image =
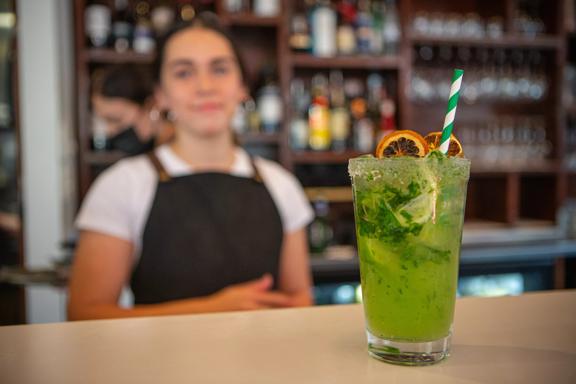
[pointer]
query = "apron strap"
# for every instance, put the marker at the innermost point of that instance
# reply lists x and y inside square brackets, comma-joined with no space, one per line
[257,177]
[163,176]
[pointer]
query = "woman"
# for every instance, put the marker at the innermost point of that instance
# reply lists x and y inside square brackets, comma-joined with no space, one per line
[197,225]
[122,96]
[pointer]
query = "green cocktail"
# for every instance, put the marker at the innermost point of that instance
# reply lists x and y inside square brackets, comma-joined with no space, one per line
[409,213]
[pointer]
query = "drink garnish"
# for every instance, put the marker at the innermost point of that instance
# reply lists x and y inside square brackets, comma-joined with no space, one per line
[454,148]
[402,143]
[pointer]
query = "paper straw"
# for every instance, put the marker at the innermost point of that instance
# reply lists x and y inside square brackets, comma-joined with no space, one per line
[451,112]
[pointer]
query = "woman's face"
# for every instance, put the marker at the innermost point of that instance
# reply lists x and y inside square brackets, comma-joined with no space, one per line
[116,112]
[200,82]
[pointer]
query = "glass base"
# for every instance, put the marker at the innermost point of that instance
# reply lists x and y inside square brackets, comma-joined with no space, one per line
[409,353]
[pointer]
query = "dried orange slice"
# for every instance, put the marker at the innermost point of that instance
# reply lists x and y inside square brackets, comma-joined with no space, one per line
[402,143]
[454,149]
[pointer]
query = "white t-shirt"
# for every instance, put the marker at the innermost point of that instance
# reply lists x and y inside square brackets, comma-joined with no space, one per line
[120,199]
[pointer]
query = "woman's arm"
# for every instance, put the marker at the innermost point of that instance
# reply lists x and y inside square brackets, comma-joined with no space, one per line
[294,278]
[102,267]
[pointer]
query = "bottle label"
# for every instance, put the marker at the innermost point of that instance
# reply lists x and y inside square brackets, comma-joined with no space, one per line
[346,40]
[299,133]
[364,135]
[270,109]
[319,127]
[340,124]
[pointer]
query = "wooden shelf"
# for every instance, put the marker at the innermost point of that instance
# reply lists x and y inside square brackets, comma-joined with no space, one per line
[250,20]
[103,158]
[259,138]
[331,194]
[303,60]
[325,157]
[512,41]
[104,55]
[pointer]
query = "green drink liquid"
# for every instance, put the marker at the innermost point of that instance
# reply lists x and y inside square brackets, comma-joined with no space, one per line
[409,214]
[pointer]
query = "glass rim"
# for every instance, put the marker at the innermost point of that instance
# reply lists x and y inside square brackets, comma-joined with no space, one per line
[372,159]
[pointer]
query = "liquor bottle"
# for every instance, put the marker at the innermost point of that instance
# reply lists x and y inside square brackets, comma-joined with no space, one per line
[300,100]
[185,10]
[300,39]
[240,120]
[339,115]
[144,41]
[235,6]
[346,35]
[363,127]
[323,28]
[266,8]
[388,115]
[364,27]
[391,30]
[270,106]
[122,26]
[319,231]
[319,115]
[162,17]
[252,116]
[377,44]
[374,89]
[97,20]
[99,133]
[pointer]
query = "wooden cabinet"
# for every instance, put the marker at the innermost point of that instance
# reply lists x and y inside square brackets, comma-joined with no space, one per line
[504,192]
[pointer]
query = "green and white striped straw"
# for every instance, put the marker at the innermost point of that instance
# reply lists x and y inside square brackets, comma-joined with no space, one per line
[451,112]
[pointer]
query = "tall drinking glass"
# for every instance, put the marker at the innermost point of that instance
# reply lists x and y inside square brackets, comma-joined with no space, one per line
[409,214]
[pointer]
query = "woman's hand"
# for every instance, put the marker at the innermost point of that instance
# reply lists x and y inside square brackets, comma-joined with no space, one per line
[251,295]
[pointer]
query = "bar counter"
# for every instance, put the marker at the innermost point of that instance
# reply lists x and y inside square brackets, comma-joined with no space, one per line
[524,339]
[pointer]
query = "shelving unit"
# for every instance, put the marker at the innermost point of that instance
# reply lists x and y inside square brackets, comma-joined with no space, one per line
[498,193]
[249,20]
[510,41]
[311,157]
[109,56]
[300,60]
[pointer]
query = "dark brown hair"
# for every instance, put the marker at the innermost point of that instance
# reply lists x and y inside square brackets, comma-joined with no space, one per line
[205,20]
[125,81]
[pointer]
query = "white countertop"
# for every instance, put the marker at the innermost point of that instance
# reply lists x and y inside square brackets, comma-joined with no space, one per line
[525,339]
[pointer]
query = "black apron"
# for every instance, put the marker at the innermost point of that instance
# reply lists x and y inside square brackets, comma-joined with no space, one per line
[205,232]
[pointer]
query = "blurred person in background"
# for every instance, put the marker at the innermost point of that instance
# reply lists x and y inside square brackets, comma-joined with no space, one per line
[198,224]
[122,97]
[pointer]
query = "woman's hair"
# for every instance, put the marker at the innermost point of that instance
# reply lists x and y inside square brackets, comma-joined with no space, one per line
[124,81]
[204,20]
